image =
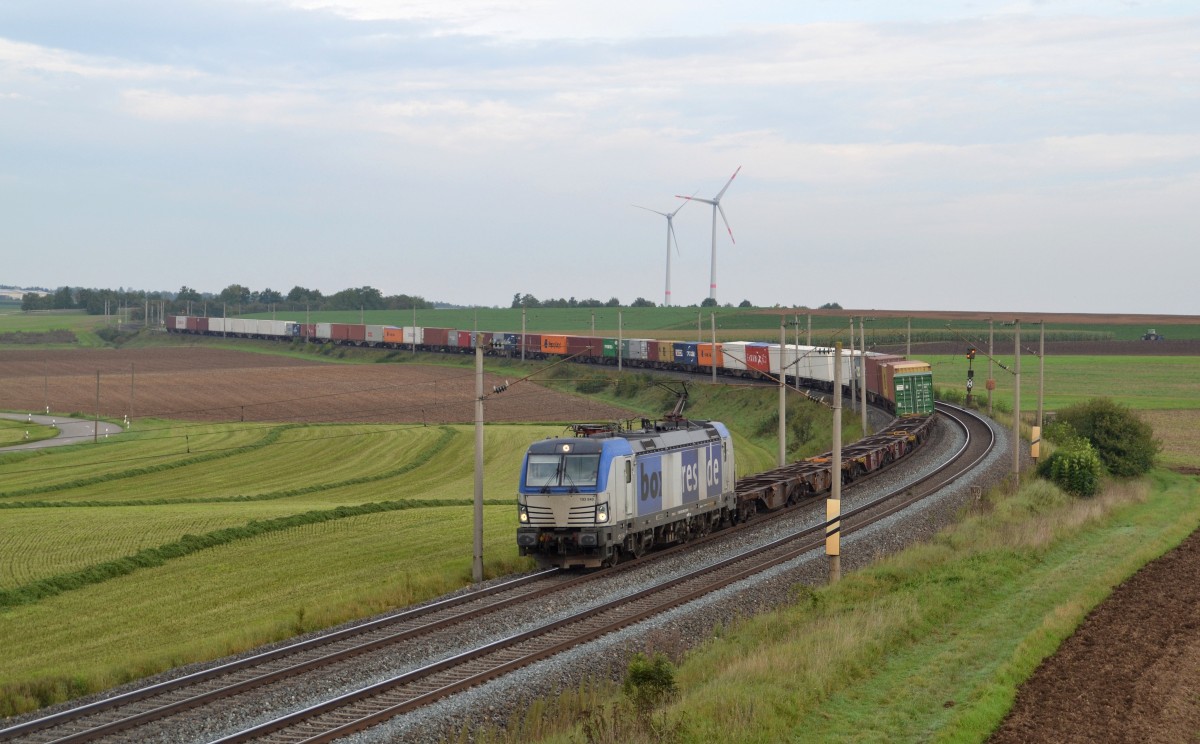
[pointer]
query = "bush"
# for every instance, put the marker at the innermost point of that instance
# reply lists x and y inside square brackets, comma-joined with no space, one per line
[649,682]
[1075,468]
[1124,442]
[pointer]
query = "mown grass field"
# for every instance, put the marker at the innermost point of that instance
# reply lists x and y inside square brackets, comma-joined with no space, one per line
[18,432]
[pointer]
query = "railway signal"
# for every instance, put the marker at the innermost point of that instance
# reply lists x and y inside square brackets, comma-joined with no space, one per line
[970,372]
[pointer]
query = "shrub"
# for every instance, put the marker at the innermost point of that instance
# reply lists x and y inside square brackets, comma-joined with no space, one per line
[1075,468]
[649,682]
[1124,442]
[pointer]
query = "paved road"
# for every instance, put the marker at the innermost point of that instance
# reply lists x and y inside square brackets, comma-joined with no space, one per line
[71,431]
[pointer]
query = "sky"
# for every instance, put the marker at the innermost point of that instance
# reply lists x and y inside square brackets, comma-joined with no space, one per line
[1021,156]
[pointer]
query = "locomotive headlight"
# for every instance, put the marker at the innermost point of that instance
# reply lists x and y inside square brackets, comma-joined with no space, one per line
[522,514]
[602,512]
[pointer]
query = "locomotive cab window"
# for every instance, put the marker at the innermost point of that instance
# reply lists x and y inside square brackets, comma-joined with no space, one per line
[562,470]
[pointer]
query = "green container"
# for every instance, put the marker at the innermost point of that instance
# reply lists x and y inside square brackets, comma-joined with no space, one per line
[914,394]
[610,348]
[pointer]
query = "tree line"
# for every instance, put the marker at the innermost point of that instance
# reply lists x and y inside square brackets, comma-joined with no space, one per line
[245,300]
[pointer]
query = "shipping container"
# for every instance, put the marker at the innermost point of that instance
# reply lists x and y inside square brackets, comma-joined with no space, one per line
[373,335]
[552,344]
[189,324]
[875,381]
[202,325]
[758,358]
[533,344]
[436,337]
[486,339]
[464,340]
[705,354]
[637,349]
[586,347]
[684,352]
[414,335]
[324,331]
[666,352]
[393,336]
[217,325]
[914,394]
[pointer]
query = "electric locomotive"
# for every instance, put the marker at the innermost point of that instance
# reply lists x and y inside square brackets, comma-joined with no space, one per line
[608,493]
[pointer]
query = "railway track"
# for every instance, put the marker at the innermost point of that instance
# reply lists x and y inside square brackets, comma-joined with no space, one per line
[366,707]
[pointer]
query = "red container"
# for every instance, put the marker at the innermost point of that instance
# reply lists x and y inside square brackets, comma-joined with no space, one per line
[308,330]
[347,332]
[464,339]
[437,337]
[533,343]
[875,381]
[201,325]
[588,347]
[758,358]
[193,324]
[484,339]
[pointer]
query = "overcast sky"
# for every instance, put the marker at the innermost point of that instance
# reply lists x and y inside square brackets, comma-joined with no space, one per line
[1031,156]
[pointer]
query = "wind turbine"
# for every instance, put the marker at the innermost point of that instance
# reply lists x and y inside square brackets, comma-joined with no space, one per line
[716,205]
[670,236]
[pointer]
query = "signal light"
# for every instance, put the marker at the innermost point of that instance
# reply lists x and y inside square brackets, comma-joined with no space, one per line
[971,353]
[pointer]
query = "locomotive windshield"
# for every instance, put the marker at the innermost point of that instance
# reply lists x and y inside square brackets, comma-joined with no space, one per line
[544,471]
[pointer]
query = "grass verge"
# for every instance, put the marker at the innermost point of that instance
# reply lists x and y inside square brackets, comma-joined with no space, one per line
[928,645]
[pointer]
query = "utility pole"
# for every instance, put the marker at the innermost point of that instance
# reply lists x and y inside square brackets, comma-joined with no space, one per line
[1041,370]
[833,505]
[713,318]
[862,373]
[96,426]
[908,339]
[477,563]
[782,396]
[131,391]
[1016,433]
[853,391]
[522,331]
[620,338]
[808,338]
[991,380]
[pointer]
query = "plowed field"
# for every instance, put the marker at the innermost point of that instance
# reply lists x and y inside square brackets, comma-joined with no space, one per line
[1131,673]
[221,385]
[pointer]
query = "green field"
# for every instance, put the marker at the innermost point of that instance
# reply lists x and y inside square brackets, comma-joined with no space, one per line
[17,432]
[217,538]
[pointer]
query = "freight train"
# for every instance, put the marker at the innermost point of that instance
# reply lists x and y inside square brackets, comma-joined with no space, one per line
[607,494]
[903,387]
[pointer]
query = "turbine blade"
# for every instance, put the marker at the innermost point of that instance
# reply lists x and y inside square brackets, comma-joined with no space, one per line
[695,198]
[727,183]
[727,227]
[648,209]
[685,202]
[671,228]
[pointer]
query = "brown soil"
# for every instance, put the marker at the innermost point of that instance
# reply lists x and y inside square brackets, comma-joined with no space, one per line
[1130,673]
[220,385]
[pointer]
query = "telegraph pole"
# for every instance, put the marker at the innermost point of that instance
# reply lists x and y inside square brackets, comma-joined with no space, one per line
[713,319]
[991,380]
[862,373]
[782,395]
[1017,405]
[620,338]
[833,505]
[908,339]
[853,396]
[477,564]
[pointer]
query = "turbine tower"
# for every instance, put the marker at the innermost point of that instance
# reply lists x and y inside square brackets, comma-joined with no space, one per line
[716,205]
[670,236]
